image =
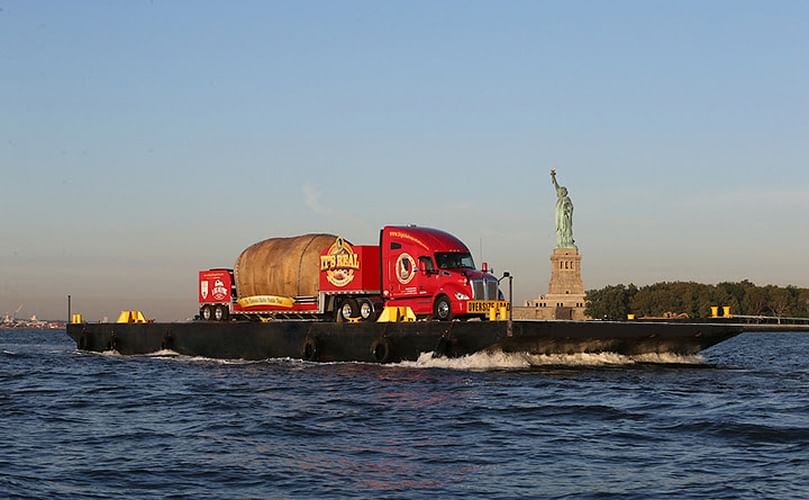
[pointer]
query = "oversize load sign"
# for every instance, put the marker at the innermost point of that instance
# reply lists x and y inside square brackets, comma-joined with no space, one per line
[483,306]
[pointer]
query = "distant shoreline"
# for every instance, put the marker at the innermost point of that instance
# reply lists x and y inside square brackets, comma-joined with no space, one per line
[29,325]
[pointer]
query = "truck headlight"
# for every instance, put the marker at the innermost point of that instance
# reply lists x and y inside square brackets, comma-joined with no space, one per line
[461,296]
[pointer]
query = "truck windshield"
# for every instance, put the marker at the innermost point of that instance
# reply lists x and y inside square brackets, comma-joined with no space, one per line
[454,260]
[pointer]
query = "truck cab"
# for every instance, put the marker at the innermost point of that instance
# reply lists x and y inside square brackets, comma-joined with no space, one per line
[433,273]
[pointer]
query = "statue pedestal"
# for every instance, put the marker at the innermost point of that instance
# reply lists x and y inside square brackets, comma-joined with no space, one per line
[565,297]
[566,272]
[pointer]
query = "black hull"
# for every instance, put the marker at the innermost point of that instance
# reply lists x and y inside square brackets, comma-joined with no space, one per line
[394,342]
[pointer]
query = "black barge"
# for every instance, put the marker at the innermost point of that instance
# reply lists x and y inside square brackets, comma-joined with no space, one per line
[397,341]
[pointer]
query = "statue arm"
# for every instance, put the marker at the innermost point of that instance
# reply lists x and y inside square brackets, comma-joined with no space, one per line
[553,178]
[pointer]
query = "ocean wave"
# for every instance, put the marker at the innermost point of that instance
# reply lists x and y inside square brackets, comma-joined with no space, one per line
[81,424]
[163,353]
[481,361]
[498,360]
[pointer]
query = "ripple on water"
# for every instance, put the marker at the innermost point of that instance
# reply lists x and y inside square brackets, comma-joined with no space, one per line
[732,422]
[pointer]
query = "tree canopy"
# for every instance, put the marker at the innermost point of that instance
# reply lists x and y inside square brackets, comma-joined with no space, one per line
[695,300]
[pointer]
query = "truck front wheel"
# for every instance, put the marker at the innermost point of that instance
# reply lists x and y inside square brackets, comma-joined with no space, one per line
[442,309]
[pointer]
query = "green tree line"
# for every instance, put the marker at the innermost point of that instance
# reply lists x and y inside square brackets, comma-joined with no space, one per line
[696,299]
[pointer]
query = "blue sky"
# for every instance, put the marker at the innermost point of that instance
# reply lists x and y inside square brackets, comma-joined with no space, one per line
[142,141]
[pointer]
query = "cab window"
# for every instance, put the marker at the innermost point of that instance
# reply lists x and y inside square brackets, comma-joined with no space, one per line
[454,260]
[427,262]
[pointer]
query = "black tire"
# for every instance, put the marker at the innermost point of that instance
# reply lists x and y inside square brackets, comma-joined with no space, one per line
[366,310]
[167,342]
[380,350]
[347,309]
[442,309]
[220,312]
[206,313]
[443,349]
[311,349]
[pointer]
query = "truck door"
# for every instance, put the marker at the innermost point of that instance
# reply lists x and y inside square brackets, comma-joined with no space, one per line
[427,277]
[400,272]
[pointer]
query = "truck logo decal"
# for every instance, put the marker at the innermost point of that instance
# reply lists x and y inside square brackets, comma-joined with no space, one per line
[203,289]
[219,291]
[339,263]
[405,268]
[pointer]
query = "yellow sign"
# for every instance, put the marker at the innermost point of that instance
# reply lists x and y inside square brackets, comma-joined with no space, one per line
[483,306]
[339,263]
[266,300]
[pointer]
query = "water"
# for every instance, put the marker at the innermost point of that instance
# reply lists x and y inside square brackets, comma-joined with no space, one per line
[731,423]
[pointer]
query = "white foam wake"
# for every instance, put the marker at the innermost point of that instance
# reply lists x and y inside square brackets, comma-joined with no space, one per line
[480,361]
[163,353]
[498,360]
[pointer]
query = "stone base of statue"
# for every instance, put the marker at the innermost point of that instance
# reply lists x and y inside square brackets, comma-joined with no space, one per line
[565,297]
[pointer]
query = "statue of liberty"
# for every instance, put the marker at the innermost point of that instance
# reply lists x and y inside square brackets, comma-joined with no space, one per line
[564,215]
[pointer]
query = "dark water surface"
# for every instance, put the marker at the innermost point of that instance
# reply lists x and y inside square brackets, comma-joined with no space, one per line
[74,424]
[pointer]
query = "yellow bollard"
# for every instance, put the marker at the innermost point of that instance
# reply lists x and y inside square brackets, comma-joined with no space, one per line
[714,311]
[407,314]
[726,311]
[492,314]
[394,314]
[131,317]
[504,313]
[630,316]
[75,318]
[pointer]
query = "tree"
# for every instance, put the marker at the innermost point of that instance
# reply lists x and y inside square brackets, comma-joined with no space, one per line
[803,303]
[610,302]
[696,299]
[755,301]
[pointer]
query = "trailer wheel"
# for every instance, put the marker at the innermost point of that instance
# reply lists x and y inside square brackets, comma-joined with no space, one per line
[206,313]
[220,312]
[442,309]
[366,310]
[347,310]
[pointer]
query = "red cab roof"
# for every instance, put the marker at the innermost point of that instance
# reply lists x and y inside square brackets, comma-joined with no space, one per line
[430,239]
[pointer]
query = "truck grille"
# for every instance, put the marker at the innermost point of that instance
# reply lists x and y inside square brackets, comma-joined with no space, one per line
[484,290]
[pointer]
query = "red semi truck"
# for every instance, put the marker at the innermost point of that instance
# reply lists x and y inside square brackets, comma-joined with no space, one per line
[326,277]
